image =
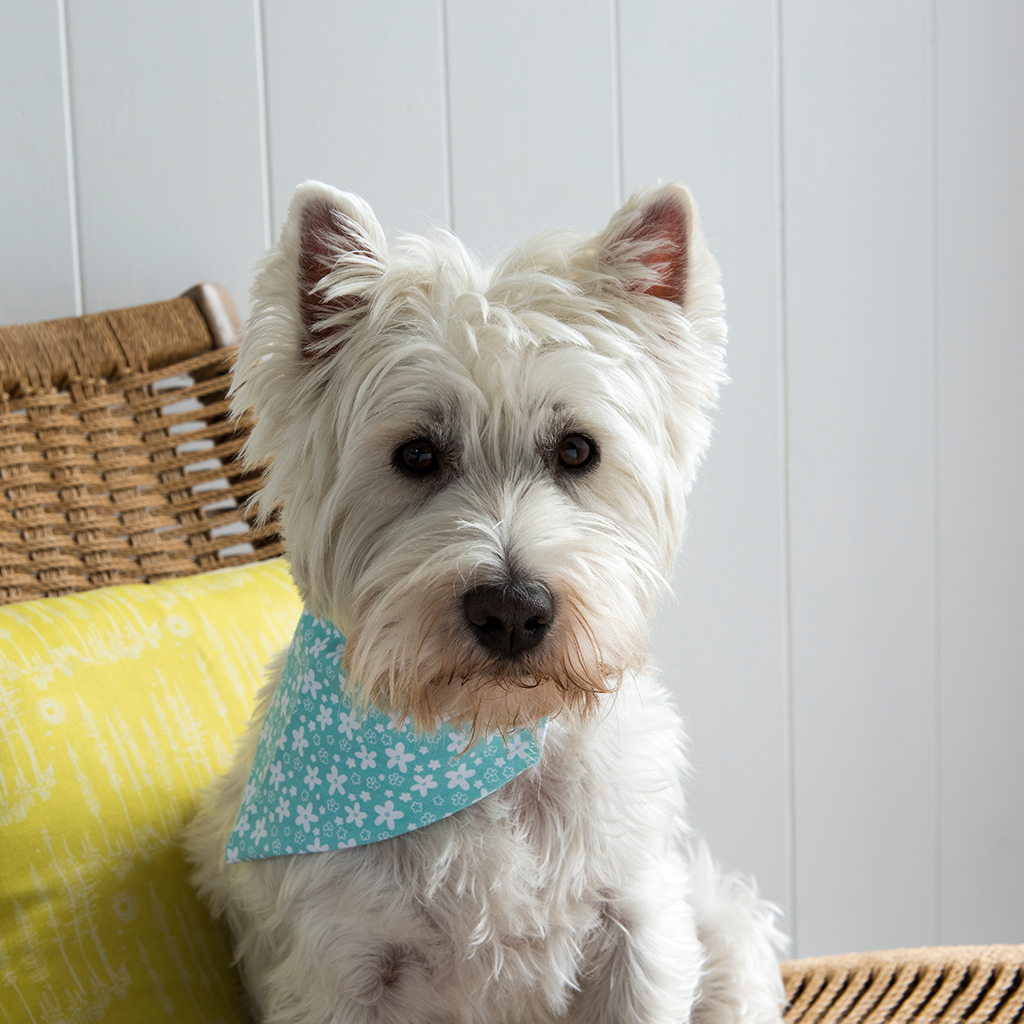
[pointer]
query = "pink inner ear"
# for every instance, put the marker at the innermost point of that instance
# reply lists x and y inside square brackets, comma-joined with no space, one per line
[325,239]
[664,226]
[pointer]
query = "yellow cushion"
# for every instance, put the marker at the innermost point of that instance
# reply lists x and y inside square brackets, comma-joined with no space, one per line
[116,707]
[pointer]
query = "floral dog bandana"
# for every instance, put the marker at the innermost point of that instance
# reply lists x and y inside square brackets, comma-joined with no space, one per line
[326,777]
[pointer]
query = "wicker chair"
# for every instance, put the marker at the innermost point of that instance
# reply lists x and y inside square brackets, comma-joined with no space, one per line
[118,460]
[118,463]
[947,984]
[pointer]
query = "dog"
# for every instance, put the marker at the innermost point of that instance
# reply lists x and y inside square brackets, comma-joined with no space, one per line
[480,474]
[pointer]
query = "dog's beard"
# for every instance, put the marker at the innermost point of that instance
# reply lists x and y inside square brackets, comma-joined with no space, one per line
[434,670]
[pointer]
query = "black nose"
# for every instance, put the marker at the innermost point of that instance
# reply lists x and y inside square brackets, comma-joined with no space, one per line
[509,619]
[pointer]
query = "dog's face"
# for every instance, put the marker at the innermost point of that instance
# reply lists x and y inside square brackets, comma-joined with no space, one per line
[482,472]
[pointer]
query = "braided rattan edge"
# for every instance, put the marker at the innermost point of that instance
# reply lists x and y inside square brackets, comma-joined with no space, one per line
[940,984]
[219,312]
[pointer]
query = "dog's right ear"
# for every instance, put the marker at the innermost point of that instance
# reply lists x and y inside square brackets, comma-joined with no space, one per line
[337,250]
[656,247]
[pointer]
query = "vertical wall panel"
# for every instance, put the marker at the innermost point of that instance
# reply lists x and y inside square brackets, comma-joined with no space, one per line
[857,151]
[36,261]
[531,98]
[167,137]
[355,98]
[980,79]
[699,105]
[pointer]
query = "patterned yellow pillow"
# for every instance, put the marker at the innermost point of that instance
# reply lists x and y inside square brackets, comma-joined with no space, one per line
[116,707]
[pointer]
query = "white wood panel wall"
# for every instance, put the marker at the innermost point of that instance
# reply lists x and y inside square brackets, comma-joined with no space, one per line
[846,636]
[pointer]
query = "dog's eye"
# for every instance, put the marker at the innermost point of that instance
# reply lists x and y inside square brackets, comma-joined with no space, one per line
[576,452]
[416,457]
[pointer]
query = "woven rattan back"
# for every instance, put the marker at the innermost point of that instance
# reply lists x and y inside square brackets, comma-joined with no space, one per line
[118,458]
[938,985]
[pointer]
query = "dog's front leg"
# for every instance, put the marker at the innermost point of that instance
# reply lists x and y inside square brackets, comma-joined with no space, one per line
[741,982]
[642,962]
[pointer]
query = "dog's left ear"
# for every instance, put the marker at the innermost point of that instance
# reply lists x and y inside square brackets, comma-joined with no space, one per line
[337,251]
[656,247]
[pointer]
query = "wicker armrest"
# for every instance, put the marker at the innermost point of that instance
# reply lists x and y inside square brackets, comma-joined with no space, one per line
[948,984]
[118,456]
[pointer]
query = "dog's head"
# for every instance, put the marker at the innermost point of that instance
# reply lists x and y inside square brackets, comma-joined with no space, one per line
[481,472]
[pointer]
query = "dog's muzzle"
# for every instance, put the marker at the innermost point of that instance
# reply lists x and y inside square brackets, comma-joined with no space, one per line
[509,619]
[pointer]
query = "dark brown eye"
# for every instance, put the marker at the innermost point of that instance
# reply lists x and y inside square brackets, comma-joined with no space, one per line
[416,457]
[575,451]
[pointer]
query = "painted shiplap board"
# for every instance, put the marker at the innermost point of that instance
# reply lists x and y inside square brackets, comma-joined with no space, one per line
[856,84]
[358,103]
[722,644]
[166,125]
[980,261]
[37,259]
[531,101]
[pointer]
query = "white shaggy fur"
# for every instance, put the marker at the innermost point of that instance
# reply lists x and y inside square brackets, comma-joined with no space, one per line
[567,895]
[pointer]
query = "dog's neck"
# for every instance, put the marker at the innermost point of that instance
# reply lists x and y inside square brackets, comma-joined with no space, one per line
[328,775]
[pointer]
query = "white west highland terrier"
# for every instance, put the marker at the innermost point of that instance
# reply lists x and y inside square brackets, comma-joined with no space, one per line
[459,798]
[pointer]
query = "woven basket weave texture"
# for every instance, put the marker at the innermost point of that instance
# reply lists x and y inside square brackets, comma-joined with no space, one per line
[118,456]
[944,985]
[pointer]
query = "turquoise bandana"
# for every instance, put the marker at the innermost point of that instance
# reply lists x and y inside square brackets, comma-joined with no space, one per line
[326,777]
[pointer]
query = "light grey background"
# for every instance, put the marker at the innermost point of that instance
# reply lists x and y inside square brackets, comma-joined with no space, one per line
[846,638]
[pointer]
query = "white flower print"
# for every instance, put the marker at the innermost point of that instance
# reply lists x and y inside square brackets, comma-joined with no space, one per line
[518,746]
[459,777]
[336,654]
[397,757]
[260,831]
[319,646]
[299,740]
[336,781]
[312,777]
[282,808]
[355,816]
[310,684]
[457,742]
[324,718]
[387,814]
[434,765]
[304,815]
[316,846]
[368,757]
[347,723]
[424,783]
[243,825]
[232,855]
[250,788]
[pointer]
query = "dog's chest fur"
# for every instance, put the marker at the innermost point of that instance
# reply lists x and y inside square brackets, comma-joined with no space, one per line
[516,888]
